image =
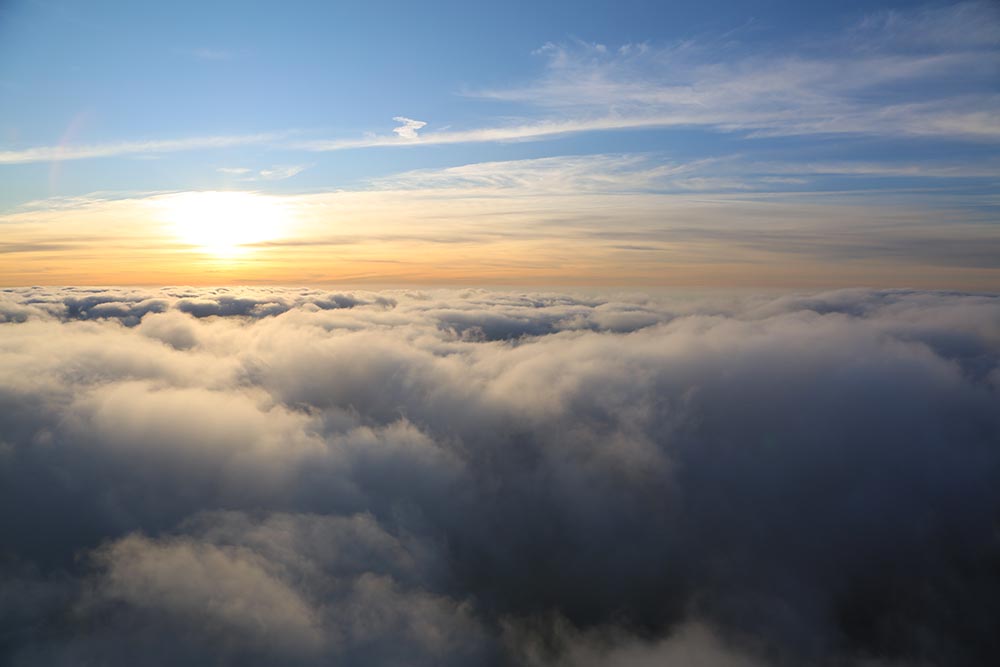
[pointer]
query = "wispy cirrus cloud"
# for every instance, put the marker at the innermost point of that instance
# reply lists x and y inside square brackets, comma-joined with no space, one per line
[919,73]
[880,78]
[656,173]
[556,175]
[526,131]
[884,76]
[274,173]
[115,149]
[970,169]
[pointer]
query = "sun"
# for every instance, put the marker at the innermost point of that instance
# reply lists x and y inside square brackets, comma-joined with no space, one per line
[224,224]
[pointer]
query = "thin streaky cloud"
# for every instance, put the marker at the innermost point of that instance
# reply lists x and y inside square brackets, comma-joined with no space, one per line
[81,152]
[557,175]
[704,83]
[964,25]
[943,86]
[281,172]
[920,170]
[632,172]
[273,173]
[903,120]
[527,131]
[589,88]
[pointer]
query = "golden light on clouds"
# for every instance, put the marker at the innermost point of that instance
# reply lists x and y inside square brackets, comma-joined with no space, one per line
[474,235]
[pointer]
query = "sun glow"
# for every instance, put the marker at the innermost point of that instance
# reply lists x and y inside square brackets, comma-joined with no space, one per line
[224,224]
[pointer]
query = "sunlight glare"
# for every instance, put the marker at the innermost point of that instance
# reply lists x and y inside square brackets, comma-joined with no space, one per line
[224,224]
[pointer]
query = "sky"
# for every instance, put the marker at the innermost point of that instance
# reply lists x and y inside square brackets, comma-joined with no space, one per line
[723,144]
[515,334]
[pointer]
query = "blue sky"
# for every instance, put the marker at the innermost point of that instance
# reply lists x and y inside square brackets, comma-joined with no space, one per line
[893,105]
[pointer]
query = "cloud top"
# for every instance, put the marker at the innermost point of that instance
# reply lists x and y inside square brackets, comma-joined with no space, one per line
[294,476]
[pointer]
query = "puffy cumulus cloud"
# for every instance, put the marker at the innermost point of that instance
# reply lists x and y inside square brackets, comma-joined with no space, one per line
[293,476]
[409,127]
[130,305]
[216,589]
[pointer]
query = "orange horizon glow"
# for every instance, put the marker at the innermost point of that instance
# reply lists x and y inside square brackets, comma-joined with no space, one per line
[448,237]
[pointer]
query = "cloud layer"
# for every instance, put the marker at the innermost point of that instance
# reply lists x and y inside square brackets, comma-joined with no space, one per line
[296,477]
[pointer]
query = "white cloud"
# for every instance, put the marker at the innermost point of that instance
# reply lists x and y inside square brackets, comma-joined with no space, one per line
[772,93]
[942,88]
[274,173]
[968,169]
[453,477]
[80,152]
[409,127]
[558,175]
[278,173]
[940,64]
[527,131]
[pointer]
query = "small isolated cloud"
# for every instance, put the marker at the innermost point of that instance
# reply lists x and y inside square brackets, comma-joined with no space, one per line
[275,173]
[279,173]
[409,127]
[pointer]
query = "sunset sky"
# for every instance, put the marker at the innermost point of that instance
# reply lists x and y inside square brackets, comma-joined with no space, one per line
[565,333]
[771,144]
